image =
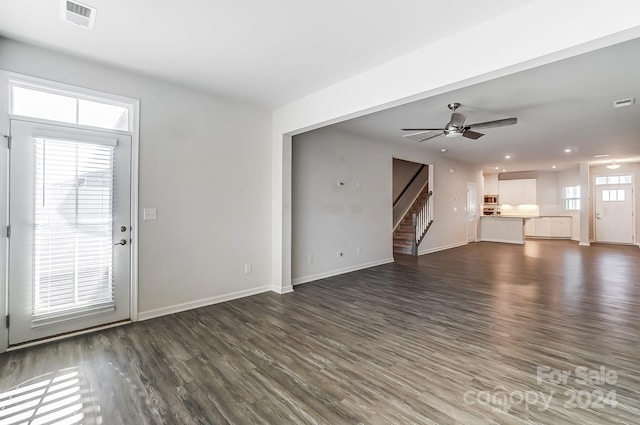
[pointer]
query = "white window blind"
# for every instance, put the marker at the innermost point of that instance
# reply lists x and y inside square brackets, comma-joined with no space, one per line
[73,206]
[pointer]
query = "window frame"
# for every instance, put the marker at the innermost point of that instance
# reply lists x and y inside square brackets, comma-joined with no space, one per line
[78,94]
[567,201]
[89,94]
[607,178]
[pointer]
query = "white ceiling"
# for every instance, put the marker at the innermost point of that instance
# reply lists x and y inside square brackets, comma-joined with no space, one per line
[273,52]
[267,52]
[566,104]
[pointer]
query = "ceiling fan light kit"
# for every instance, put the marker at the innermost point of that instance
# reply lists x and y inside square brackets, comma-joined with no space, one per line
[456,128]
[613,166]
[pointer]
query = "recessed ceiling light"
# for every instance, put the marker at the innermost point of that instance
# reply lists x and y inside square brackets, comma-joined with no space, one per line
[567,150]
[443,150]
[497,168]
[507,157]
[554,166]
[504,169]
[601,155]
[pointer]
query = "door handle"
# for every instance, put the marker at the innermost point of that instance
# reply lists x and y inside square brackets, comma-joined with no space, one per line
[122,242]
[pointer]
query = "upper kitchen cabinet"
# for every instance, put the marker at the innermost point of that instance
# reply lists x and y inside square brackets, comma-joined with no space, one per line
[517,192]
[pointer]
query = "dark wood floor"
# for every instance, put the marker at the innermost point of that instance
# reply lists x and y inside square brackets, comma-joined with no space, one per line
[454,337]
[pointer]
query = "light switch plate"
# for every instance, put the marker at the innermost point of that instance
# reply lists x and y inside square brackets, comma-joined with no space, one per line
[150,214]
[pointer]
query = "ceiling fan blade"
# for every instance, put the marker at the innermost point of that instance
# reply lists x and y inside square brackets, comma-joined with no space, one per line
[430,137]
[422,129]
[496,123]
[457,119]
[474,135]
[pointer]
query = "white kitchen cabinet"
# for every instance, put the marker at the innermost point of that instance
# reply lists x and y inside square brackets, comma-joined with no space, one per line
[491,184]
[530,227]
[543,227]
[561,227]
[517,192]
[549,227]
[528,191]
[504,191]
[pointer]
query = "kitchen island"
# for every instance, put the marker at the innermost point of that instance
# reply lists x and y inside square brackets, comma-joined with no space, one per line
[500,228]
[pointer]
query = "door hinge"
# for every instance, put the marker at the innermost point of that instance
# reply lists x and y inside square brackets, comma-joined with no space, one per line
[7,321]
[8,141]
[8,231]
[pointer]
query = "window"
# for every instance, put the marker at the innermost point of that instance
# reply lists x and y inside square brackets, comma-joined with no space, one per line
[613,195]
[571,198]
[73,227]
[626,179]
[38,102]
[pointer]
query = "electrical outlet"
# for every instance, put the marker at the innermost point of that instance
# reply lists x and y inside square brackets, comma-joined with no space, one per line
[247,269]
[340,254]
[358,250]
[310,259]
[150,214]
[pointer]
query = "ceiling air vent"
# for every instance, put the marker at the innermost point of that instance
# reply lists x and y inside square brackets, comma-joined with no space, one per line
[78,13]
[624,102]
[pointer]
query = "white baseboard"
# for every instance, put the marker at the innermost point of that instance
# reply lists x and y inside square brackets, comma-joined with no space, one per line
[584,244]
[318,276]
[503,241]
[177,308]
[441,248]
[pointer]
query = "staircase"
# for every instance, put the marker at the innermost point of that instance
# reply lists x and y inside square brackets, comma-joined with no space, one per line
[414,226]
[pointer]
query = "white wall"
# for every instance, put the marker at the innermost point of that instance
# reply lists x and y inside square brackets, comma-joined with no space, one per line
[205,164]
[547,194]
[570,27]
[327,218]
[403,172]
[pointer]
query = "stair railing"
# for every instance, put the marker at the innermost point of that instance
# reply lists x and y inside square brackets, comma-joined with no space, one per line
[422,220]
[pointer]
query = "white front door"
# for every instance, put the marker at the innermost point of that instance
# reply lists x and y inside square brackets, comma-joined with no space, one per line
[614,213]
[472,212]
[70,221]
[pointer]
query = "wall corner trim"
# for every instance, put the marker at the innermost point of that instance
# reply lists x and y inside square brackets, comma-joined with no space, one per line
[287,289]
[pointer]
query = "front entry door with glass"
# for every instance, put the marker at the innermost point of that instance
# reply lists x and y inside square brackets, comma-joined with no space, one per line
[614,209]
[69,216]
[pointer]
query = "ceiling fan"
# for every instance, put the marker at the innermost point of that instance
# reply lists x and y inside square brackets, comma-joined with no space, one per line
[456,128]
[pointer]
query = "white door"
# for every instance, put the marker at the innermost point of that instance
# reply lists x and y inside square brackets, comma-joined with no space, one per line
[69,215]
[472,211]
[614,213]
